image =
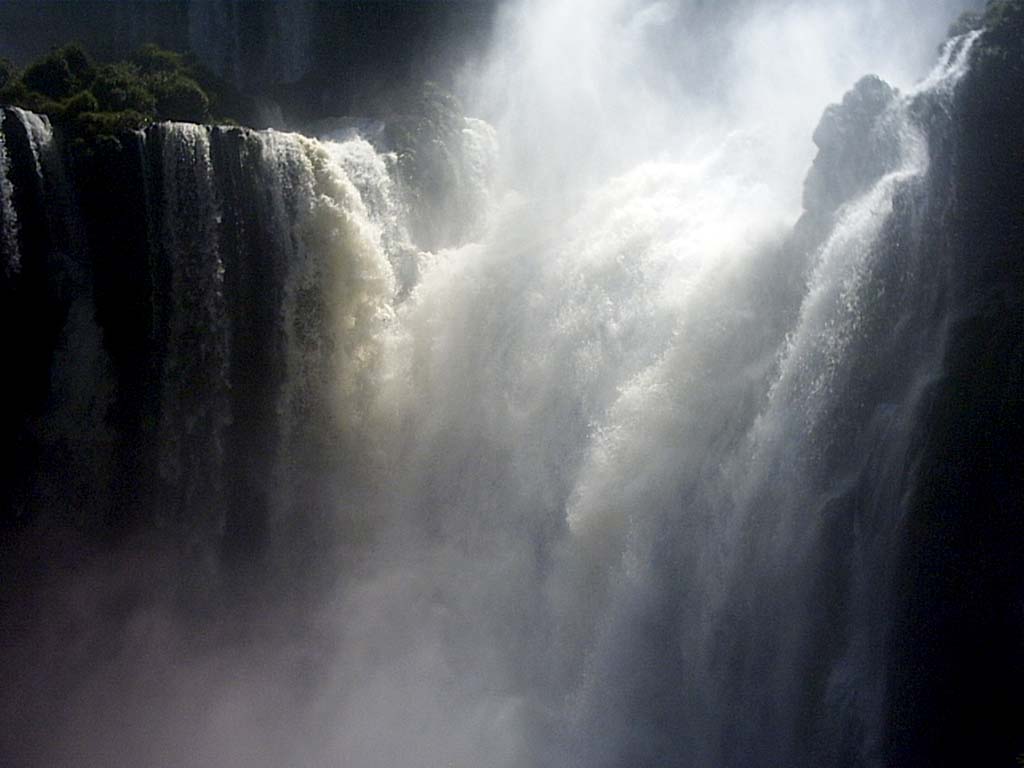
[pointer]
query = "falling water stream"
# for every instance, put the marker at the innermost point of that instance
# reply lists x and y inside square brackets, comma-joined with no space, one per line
[588,468]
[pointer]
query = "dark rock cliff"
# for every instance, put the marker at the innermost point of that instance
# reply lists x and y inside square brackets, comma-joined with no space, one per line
[125,250]
[958,641]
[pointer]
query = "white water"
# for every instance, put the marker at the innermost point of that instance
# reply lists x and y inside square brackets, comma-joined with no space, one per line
[571,463]
[564,456]
[587,419]
[40,137]
[194,376]
[831,311]
[214,31]
[8,216]
[217,33]
[335,298]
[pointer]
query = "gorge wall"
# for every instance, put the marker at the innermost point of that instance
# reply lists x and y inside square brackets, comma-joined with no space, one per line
[299,473]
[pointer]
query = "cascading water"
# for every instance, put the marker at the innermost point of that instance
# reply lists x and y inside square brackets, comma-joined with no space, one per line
[8,215]
[607,467]
[194,373]
[39,136]
[295,246]
[636,431]
[249,44]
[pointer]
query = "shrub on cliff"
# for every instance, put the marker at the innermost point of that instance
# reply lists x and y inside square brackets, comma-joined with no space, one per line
[87,101]
[120,87]
[179,98]
[98,125]
[8,73]
[18,94]
[83,101]
[62,73]
[151,59]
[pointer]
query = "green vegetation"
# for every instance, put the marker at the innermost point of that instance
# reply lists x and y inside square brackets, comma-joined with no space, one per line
[61,74]
[120,88]
[7,72]
[88,100]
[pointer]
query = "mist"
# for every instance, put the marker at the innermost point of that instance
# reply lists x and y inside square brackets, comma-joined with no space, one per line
[562,475]
[588,89]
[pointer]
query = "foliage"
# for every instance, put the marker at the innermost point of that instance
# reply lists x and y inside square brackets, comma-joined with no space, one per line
[89,101]
[179,98]
[81,102]
[151,59]
[119,87]
[7,72]
[95,124]
[18,94]
[61,73]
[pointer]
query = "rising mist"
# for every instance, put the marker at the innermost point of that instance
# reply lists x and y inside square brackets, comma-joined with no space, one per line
[596,439]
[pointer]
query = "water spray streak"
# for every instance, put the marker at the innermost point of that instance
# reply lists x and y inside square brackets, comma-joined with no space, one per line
[8,215]
[613,479]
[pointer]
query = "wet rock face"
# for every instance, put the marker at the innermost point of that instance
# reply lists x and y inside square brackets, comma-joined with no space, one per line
[950,249]
[34,287]
[854,146]
[957,670]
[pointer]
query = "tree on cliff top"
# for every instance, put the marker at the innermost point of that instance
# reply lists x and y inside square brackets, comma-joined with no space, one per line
[87,100]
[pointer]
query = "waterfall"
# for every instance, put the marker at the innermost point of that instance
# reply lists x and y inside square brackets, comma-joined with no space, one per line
[621,465]
[8,215]
[293,30]
[832,312]
[283,268]
[253,45]
[609,465]
[39,136]
[215,33]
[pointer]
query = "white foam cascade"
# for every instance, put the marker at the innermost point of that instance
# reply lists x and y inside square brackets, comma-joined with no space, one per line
[815,366]
[532,384]
[554,453]
[214,31]
[582,394]
[194,378]
[8,215]
[831,311]
[340,283]
[574,458]
[314,206]
[217,30]
[40,138]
